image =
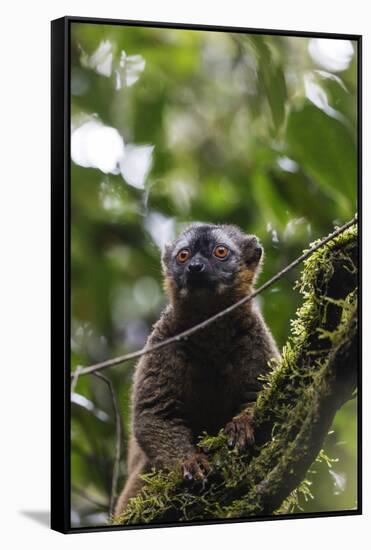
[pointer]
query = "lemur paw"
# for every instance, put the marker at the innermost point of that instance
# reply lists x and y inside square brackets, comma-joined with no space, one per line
[240,432]
[196,467]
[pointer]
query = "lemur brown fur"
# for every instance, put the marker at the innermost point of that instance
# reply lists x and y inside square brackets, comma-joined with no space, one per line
[210,380]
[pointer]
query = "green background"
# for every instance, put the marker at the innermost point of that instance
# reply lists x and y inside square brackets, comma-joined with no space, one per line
[238,138]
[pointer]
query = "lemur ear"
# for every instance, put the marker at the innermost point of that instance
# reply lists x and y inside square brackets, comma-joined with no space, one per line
[252,250]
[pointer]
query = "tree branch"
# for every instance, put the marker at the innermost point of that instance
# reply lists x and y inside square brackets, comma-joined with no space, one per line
[118,427]
[334,386]
[81,371]
[315,376]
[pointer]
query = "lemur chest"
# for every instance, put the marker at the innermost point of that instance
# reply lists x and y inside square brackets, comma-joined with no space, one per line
[211,396]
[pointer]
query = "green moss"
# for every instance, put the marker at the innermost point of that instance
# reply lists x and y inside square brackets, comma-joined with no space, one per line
[312,320]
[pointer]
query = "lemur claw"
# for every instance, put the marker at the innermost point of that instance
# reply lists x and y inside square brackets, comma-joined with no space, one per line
[196,467]
[240,432]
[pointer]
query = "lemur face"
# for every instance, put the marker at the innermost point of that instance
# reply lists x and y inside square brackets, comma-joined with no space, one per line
[211,259]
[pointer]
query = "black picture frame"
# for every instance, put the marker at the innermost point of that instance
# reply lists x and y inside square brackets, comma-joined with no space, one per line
[60,267]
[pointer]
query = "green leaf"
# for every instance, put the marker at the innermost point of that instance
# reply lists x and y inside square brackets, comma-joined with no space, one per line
[271,81]
[326,150]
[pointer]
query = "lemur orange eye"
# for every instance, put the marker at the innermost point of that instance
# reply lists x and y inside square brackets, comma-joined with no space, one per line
[221,251]
[183,255]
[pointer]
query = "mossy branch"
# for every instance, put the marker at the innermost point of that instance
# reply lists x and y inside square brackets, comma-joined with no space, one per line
[294,412]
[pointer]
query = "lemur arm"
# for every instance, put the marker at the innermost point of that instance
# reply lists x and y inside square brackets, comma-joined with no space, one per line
[158,424]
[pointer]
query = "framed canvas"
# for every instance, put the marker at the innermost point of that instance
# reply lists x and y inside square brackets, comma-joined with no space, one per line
[206,191]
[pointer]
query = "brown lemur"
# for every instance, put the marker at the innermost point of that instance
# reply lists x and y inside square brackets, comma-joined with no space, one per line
[209,380]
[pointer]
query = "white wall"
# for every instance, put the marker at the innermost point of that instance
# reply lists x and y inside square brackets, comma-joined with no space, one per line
[24,273]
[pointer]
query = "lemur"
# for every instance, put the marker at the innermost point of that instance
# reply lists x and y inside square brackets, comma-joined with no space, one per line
[211,379]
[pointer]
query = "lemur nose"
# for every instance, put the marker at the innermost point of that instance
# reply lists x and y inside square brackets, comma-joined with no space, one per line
[196,267]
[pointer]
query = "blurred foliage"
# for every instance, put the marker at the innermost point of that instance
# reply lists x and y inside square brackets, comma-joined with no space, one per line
[238,128]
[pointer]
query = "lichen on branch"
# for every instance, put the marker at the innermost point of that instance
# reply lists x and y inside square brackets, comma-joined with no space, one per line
[317,373]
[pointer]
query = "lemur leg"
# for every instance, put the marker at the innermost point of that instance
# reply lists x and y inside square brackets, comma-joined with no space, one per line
[131,489]
[137,464]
